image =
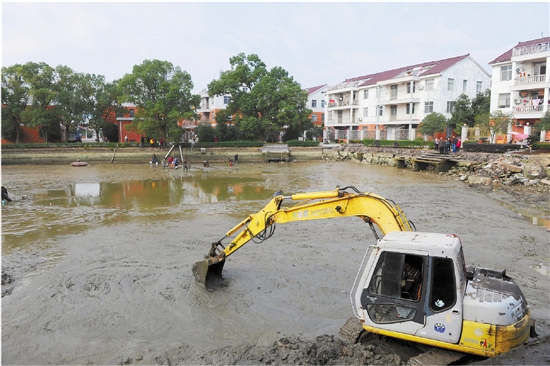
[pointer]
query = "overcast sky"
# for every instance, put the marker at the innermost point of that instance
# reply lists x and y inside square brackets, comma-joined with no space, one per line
[316,42]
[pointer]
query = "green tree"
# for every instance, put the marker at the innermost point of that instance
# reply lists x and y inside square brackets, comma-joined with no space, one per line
[267,102]
[544,124]
[432,123]
[483,122]
[15,98]
[462,112]
[314,132]
[110,131]
[163,94]
[70,102]
[221,130]
[499,123]
[101,102]
[481,104]
[205,132]
[41,112]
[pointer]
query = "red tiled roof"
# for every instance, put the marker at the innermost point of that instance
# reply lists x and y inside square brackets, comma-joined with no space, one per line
[314,89]
[435,68]
[507,56]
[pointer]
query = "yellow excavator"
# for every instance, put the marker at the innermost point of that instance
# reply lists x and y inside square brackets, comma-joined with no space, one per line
[411,285]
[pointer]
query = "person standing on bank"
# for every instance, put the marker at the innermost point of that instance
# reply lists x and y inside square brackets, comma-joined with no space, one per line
[236,158]
[441,146]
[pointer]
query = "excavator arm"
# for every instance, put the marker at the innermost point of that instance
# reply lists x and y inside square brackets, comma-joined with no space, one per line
[371,208]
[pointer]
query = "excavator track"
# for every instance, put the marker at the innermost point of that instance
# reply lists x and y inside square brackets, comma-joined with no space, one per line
[353,332]
[436,356]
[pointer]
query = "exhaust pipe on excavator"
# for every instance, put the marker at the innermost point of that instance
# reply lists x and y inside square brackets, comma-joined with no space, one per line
[210,269]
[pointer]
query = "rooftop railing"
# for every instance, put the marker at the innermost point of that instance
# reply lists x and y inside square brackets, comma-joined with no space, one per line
[534,48]
[351,84]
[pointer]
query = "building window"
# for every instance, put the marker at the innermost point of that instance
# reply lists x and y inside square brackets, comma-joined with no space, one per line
[540,68]
[506,73]
[323,117]
[429,84]
[450,107]
[366,94]
[330,115]
[504,100]
[313,103]
[323,103]
[409,87]
[479,85]
[313,117]
[226,99]
[465,86]
[408,111]
[365,112]
[428,107]
[450,84]
[380,110]
[131,113]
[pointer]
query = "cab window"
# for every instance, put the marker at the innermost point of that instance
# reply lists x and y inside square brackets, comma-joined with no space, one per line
[397,275]
[443,293]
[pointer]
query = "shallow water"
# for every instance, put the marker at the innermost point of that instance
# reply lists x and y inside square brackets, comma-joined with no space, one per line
[102,256]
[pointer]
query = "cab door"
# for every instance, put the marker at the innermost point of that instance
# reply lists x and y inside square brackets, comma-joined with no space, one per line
[443,302]
[394,295]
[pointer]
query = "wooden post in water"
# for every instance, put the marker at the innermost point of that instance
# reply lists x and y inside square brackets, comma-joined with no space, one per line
[169,151]
[114,152]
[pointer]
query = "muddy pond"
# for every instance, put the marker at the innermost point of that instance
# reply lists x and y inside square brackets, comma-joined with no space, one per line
[101,257]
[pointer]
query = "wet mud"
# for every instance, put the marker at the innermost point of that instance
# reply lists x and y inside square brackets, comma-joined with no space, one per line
[100,262]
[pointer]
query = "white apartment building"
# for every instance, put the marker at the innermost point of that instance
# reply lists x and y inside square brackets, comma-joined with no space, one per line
[521,84]
[316,102]
[206,110]
[391,104]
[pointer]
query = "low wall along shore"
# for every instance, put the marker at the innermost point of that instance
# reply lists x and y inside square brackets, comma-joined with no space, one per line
[531,166]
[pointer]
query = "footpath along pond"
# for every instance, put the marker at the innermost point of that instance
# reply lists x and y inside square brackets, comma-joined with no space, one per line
[101,257]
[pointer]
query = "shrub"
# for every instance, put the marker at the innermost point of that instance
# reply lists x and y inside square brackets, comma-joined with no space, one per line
[302,143]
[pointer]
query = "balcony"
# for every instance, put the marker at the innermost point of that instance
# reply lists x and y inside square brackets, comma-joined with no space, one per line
[529,80]
[342,121]
[342,103]
[529,109]
[204,107]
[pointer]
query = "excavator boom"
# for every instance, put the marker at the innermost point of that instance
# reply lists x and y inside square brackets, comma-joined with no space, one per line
[371,208]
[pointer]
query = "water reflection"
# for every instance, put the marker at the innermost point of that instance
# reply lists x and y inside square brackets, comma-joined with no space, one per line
[155,192]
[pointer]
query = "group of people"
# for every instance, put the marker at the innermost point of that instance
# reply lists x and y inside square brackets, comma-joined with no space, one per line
[234,160]
[444,146]
[172,162]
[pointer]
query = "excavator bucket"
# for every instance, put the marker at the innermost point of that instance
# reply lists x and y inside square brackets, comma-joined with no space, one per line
[208,271]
